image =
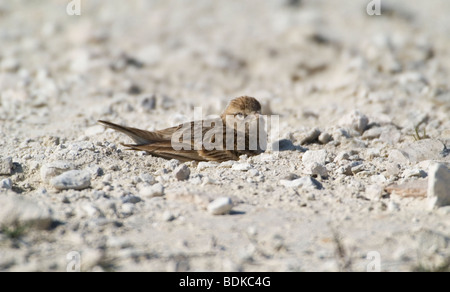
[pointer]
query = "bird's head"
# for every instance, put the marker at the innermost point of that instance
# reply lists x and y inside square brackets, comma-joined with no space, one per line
[242,108]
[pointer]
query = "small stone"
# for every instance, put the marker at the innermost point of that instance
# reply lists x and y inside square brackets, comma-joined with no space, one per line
[220,206]
[95,170]
[374,192]
[54,168]
[150,55]
[242,166]
[147,178]
[203,165]
[171,164]
[373,153]
[342,156]
[324,138]
[182,172]
[206,180]
[398,156]
[253,172]
[357,168]
[282,145]
[290,176]
[227,164]
[17,212]
[72,179]
[127,209]
[355,120]
[303,182]
[6,165]
[196,180]
[148,103]
[90,210]
[94,130]
[167,216]
[6,184]
[372,133]
[155,190]
[317,156]
[316,169]
[414,172]
[310,136]
[340,133]
[393,206]
[265,157]
[351,168]
[131,199]
[243,158]
[310,197]
[438,186]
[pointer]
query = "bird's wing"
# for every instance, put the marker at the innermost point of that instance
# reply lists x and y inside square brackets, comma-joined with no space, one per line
[165,150]
[142,136]
[218,155]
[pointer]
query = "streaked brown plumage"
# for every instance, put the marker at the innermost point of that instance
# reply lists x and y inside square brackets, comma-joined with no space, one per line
[159,143]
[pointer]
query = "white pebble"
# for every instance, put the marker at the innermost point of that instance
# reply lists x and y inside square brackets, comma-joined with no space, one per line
[54,168]
[241,166]
[316,169]
[220,206]
[90,210]
[253,172]
[414,172]
[171,164]
[127,209]
[147,178]
[324,138]
[318,156]
[227,164]
[303,182]
[438,186]
[155,190]
[355,120]
[206,180]
[6,184]
[203,165]
[393,206]
[6,165]
[167,216]
[310,136]
[72,179]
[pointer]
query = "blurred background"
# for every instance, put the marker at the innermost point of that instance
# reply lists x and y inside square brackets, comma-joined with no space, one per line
[147,64]
[309,61]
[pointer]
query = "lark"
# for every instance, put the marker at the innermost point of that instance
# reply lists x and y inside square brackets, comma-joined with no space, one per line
[237,131]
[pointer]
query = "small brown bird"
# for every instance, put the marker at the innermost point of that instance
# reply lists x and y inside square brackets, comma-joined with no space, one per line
[236,132]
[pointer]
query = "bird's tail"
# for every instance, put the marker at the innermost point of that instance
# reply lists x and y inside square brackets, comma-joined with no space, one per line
[140,137]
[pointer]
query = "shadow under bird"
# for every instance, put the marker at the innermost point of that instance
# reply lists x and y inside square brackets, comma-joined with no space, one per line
[171,143]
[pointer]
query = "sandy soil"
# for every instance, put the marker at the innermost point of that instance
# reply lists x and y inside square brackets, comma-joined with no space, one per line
[354,203]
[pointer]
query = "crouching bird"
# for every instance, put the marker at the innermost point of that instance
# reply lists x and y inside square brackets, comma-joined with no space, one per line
[238,130]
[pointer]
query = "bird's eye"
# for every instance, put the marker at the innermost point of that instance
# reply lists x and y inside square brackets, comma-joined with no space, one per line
[240,116]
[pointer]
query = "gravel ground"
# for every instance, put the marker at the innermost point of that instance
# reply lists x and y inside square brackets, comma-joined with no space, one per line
[361,181]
